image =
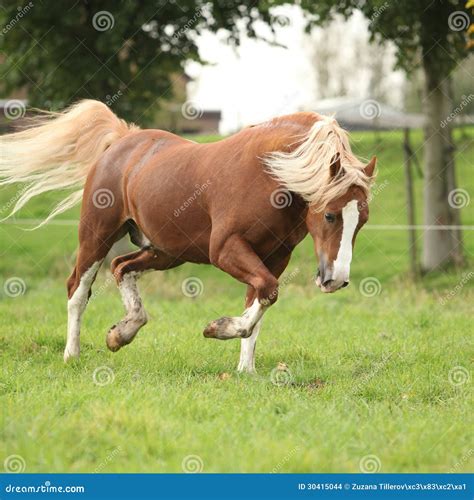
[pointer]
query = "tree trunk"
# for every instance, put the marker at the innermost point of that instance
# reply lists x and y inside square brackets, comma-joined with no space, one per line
[455,212]
[439,247]
[410,204]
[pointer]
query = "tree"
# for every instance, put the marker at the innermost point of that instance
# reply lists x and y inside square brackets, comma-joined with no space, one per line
[433,34]
[121,52]
[329,65]
[124,53]
[358,58]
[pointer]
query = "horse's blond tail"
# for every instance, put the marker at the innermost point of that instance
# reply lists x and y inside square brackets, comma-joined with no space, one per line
[58,151]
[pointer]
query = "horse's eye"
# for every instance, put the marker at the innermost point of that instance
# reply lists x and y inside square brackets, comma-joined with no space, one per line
[330,217]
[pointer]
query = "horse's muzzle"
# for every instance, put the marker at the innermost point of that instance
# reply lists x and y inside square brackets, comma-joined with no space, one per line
[327,284]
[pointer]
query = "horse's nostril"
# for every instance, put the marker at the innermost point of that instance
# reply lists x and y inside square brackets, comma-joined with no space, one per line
[327,283]
[346,283]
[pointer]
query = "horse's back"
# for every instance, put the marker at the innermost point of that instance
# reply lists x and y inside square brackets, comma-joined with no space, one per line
[188,191]
[124,160]
[179,192]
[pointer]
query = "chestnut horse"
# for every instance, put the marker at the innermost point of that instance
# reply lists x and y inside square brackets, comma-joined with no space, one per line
[241,204]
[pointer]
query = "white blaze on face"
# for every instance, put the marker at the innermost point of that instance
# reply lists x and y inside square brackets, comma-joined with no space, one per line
[342,264]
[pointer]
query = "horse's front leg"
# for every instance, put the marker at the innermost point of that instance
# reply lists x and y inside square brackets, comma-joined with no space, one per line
[247,345]
[237,258]
[277,263]
[237,326]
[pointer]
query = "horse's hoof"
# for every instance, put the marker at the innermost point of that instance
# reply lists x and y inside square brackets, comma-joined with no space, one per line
[70,356]
[249,370]
[114,341]
[210,331]
[224,329]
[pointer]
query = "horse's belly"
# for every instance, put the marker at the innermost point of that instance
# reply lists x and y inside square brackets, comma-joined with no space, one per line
[180,230]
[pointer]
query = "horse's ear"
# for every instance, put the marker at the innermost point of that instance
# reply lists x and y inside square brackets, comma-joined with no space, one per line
[335,170]
[370,167]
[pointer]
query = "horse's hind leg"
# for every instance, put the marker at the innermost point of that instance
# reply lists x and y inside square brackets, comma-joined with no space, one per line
[79,285]
[94,244]
[127,269]
[99,228]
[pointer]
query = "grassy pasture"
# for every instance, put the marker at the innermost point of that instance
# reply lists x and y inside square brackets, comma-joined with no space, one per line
[377,381]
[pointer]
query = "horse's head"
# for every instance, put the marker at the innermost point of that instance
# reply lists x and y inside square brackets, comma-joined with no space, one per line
[334,230]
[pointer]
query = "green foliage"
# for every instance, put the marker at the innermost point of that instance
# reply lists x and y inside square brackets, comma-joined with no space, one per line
[120,52]
[417,28]
[126,53]
[461,78]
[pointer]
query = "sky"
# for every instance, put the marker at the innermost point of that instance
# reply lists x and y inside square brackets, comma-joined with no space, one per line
[260,81]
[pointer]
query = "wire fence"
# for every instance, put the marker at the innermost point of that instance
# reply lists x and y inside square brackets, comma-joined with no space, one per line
[378,227]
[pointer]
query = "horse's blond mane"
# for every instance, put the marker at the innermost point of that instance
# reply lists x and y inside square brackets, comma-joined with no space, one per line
[306,169]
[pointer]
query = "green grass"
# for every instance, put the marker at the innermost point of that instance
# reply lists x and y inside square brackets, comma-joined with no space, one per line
[369,375]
